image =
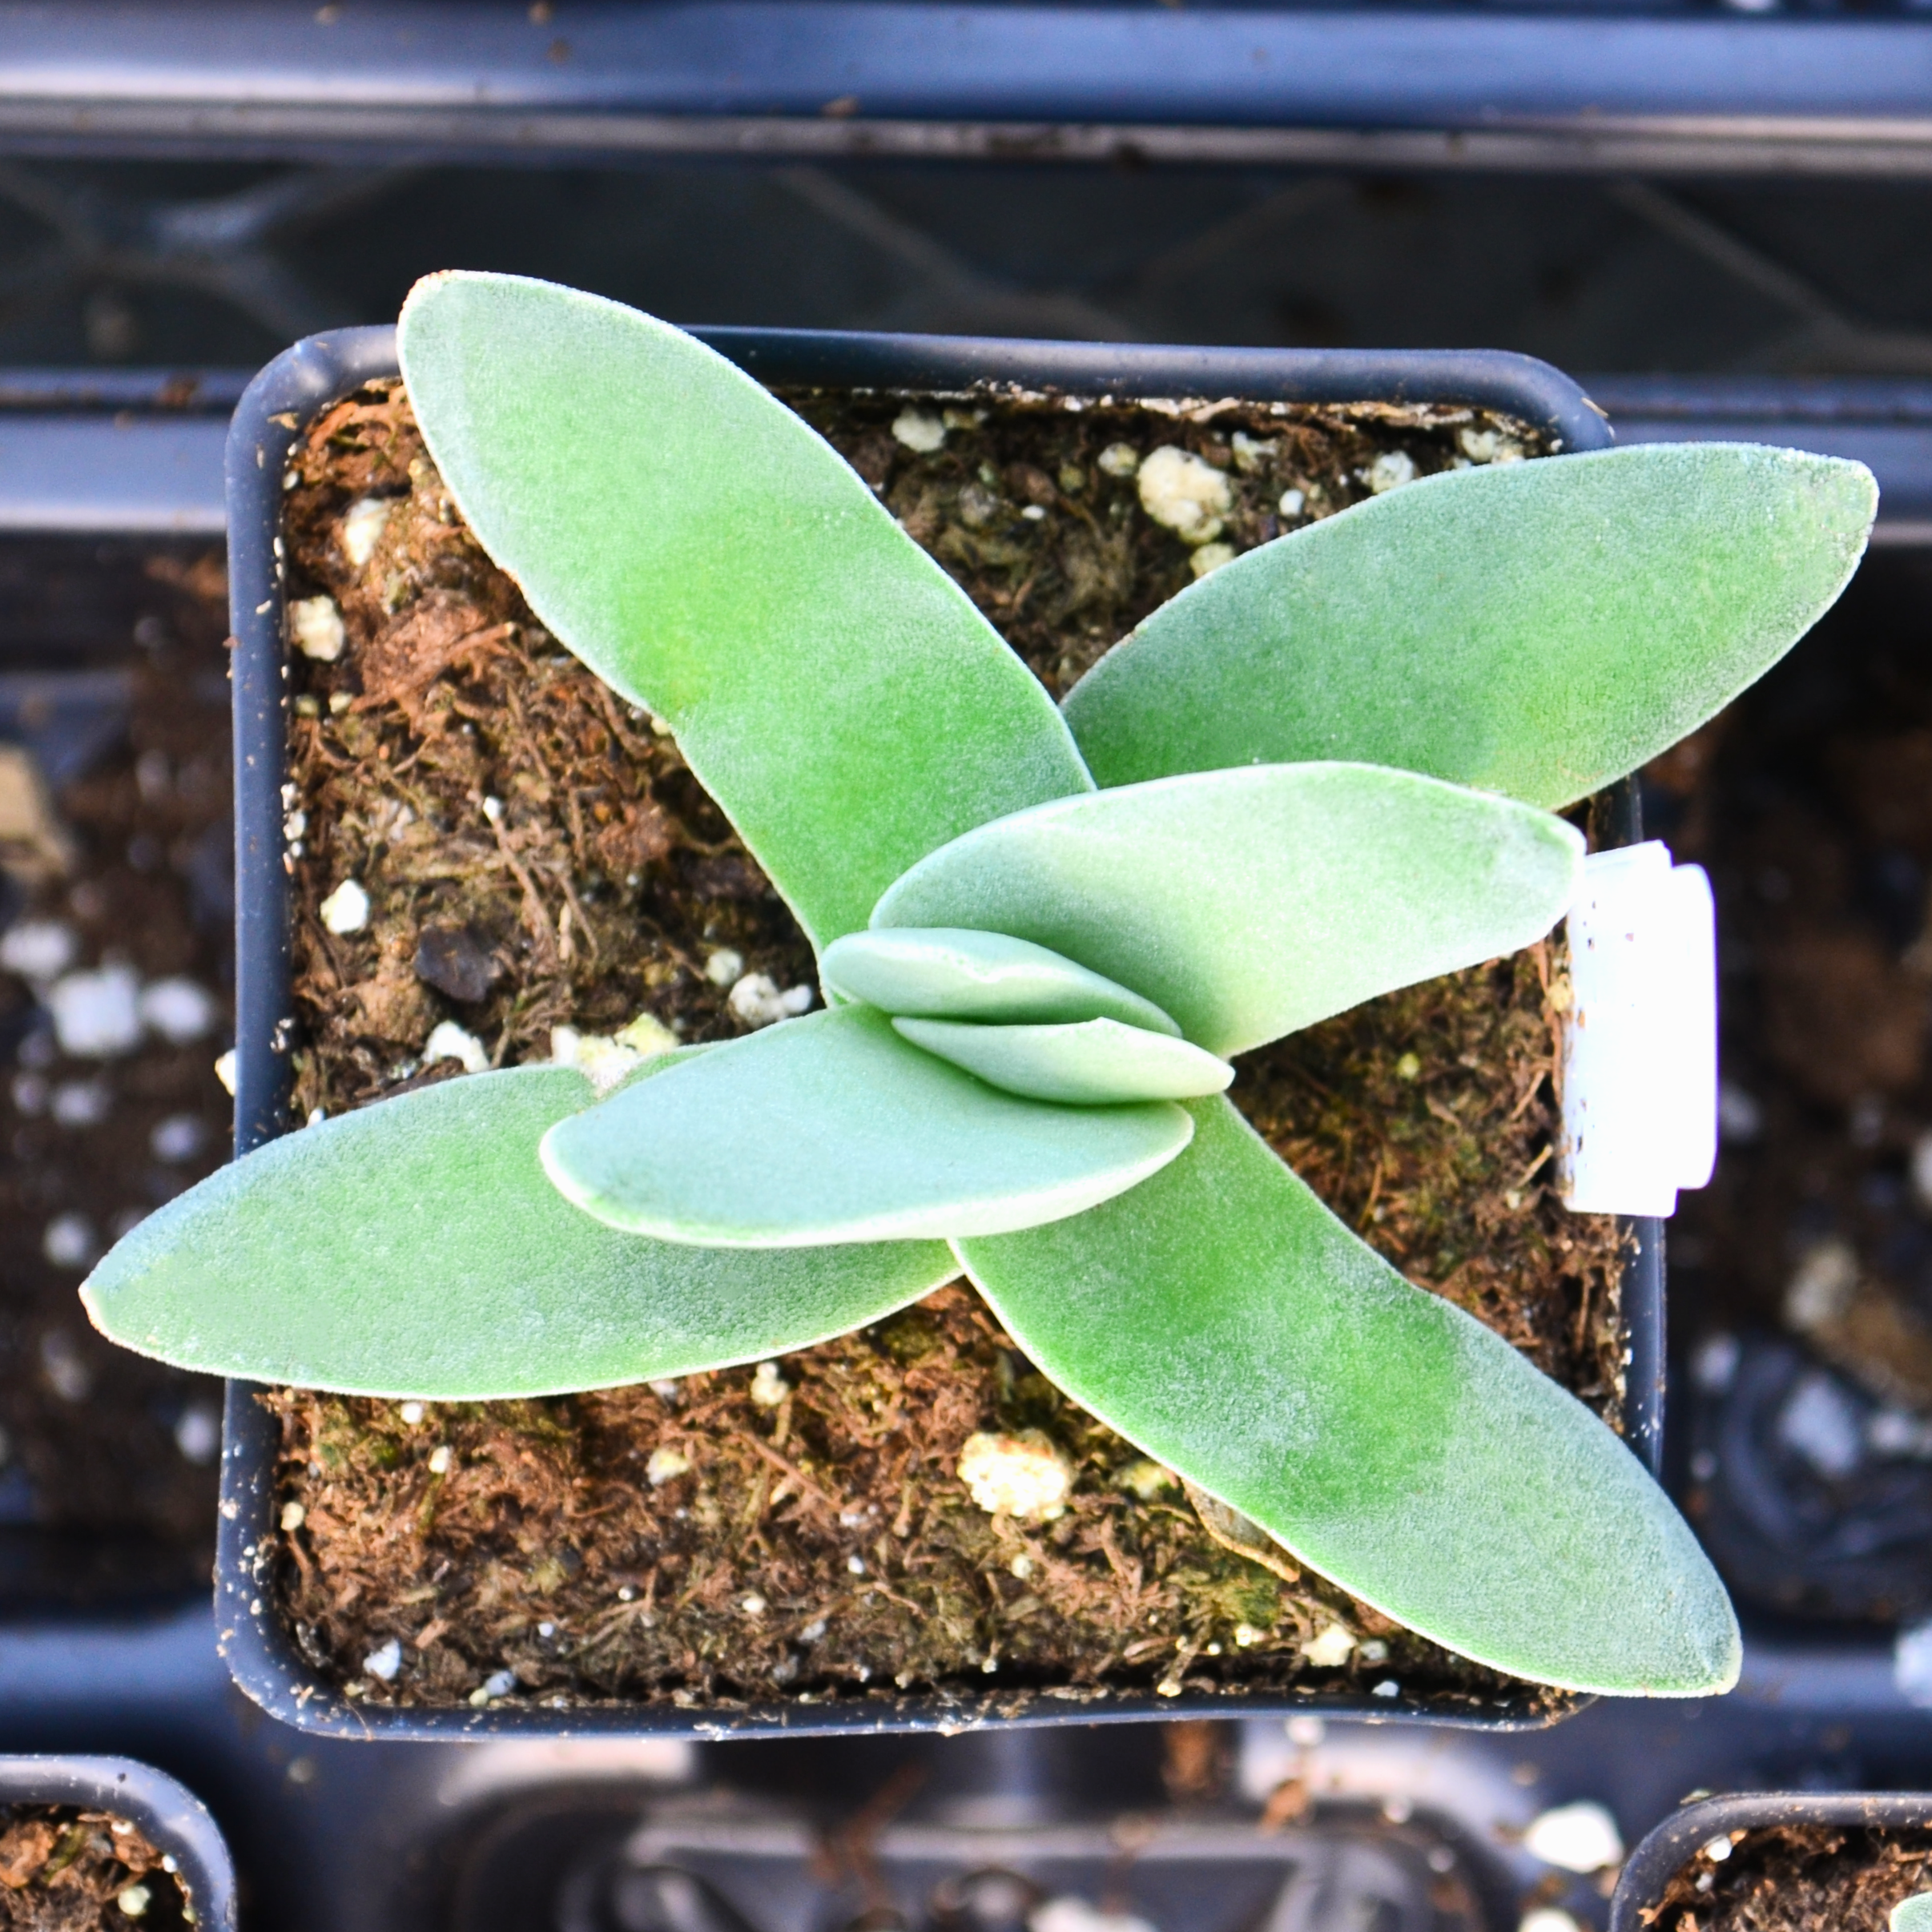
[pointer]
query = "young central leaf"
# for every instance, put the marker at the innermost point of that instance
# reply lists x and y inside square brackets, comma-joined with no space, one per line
[1095,1063]
[1248,903]
[833,1128]
[958,974]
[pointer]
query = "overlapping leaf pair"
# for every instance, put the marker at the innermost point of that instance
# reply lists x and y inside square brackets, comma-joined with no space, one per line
[1177,920]
[1324,772]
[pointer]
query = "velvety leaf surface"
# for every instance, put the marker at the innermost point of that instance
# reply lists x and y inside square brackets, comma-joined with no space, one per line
[712,558]
[957,974]
[1220,1317]
[416,1248]
[1536,629]
[1250,902]
[1094,1062]
[833,1128]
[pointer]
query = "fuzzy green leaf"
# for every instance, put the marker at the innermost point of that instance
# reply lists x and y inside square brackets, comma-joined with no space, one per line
[415,1248]
[1913,1914]
[833,1128]
[1248,903]
[956,974]
[1220,1318]
[710,556]
[1534,629]
[1092,1063]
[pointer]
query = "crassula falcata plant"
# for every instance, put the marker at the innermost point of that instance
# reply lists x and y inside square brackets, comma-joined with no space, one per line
[1328,769]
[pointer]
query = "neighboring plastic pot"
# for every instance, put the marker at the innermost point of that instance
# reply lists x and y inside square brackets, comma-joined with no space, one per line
[68,720]
[584,1859]
[1667,1850]
[1804,1517]
[273,413]
[168,1813]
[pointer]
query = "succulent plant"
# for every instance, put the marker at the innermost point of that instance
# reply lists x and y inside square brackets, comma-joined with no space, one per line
[1328,769]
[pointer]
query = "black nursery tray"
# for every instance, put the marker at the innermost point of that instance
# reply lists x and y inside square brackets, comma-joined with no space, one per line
[277,408]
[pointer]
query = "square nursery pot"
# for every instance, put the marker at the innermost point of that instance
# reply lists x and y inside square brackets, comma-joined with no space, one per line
[1674,1862]
[579,1859]
[172,1821]
[1803,1444]
[262,1651]
[113,696]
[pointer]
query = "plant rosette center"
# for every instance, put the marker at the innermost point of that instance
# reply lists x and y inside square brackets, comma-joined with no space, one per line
[1044,933]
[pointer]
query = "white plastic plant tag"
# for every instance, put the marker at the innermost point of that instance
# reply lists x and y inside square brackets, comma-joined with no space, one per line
[1640,1064]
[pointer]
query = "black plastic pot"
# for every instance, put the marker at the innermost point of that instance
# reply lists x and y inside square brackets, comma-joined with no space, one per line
[75,594]
[173,1818]
[1675,1842]
[273,412]
[1850,1546]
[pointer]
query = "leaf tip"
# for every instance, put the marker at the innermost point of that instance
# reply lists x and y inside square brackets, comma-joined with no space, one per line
[92,1308]
[425,285]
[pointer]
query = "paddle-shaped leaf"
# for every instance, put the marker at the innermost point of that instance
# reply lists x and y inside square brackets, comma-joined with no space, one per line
[710,556]
[833,1128]
[1096,1063]
[1248,903]
[956,974]
[1534,629]
[415,1248]
[1220,1317]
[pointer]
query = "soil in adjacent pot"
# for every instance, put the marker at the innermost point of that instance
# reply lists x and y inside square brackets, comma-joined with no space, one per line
[536,857]
[113,963]
[1803,1274]
[65,1870]
[1798,1878]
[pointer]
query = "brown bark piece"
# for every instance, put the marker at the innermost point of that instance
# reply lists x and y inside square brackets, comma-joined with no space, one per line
[25,1847]
[1887,780]
[1844,1018]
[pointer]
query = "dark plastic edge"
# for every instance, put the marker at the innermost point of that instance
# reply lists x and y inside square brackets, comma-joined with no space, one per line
[1490,379]
[167,1812]
[260,1652]
[1674,1843]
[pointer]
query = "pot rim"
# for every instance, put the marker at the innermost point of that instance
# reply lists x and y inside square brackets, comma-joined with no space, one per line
[275,410]
[1667,1850]
[165,1810]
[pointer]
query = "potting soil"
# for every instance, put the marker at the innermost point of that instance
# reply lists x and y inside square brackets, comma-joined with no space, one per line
[114,966]
[65,1870]
[1799,1878]
[535,856]
[1802,1281]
